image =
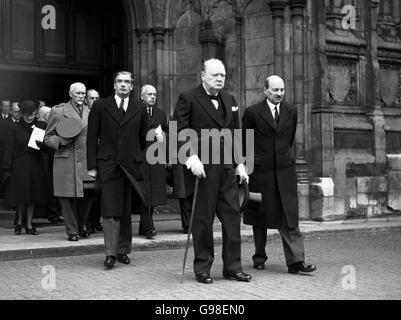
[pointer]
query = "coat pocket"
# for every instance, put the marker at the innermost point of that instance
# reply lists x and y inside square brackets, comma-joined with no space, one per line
[64,155]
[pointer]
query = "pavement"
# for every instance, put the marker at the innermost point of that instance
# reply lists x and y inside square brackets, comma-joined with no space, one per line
[52,241]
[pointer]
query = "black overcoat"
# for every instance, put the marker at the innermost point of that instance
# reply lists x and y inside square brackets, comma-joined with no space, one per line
[24,163]
[115,146]
[274,174]
[155,174]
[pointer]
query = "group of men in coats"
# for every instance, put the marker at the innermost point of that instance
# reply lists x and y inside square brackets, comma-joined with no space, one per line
[115,146]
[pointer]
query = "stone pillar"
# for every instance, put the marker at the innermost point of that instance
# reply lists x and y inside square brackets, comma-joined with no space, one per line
[208,41]
[394,182]
[396,15]
[171,101]
[158,39]
[239,23]
[373,100]
[297,15]
[143,55]
[277,8]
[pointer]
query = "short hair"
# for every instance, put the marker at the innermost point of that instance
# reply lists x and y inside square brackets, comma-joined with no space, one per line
[75,85]
[92,90]
[123,73]
[206,62]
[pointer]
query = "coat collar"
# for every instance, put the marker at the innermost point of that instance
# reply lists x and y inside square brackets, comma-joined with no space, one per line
[70,112]
[112,108]
[265,113]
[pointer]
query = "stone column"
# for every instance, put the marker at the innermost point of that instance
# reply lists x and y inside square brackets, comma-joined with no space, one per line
[373,100]
[158,39]
[208,41]
[239,22]
[143,55]
[277,8]
[396,15]
[297,15]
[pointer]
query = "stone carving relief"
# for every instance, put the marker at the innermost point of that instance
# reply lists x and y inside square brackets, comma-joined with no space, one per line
[343,82]
[390,86]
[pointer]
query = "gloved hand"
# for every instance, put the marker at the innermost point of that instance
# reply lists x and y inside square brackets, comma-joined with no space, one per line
[40,144]
[159,137]
[241,172]
[196,166]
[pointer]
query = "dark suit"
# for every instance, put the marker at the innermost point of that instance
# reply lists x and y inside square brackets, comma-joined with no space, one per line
[5,131]
[275,178]
[115,147]
[154,176]
[218,192]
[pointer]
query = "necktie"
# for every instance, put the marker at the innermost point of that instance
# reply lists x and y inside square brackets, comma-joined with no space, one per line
[214,97]
[122,107]
[150,112]
[276,115]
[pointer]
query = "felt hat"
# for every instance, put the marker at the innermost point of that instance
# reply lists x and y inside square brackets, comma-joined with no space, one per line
[27,107]
[68,128]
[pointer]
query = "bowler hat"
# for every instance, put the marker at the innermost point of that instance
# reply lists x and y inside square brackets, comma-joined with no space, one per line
[68,128]
[243,191]
[27,107]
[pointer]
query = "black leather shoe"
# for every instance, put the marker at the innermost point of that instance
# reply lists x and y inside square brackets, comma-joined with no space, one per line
[32,231]
[99,227]
[110,262]
[73,237]
[151,234]
[240,276]
[204,278]
[259,266]
[301,267]
[123,258]
[18,229]
[185,231]
[83,234]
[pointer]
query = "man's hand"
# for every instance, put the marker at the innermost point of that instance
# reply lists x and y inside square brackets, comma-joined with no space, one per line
[40,144]
[196,166]
[159,137]
[92,173]
[241,172]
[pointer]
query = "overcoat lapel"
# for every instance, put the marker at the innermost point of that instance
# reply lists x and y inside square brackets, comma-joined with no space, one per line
[207,104]
[112,108]
[132,110]
[264,112]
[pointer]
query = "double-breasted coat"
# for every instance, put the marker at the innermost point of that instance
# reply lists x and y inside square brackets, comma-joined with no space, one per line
[24,164]
[274,174]
[116,145]
[155,174]
[69,167]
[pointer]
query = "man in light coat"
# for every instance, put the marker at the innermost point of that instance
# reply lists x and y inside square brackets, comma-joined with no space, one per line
[69,168]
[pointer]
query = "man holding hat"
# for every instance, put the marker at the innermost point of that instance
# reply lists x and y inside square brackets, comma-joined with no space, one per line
[66,134]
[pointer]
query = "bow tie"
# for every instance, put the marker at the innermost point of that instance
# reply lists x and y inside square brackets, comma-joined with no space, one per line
[214,97]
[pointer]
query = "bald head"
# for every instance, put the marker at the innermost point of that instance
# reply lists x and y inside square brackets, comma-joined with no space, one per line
[149,95]
[78,93]
[43,113]
[274,89]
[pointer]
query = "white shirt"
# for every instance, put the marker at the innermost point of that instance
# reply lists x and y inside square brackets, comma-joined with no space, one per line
[215,102]
[272,107]
[118,100]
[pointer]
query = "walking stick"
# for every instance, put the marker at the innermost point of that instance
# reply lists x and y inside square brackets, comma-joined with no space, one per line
[190,226]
